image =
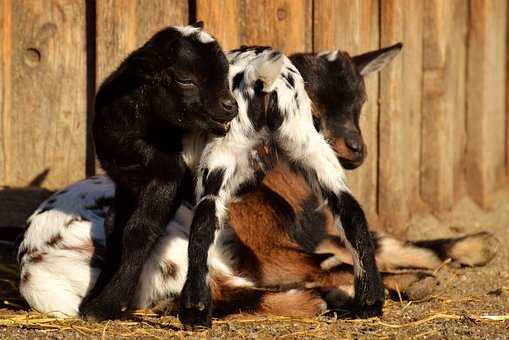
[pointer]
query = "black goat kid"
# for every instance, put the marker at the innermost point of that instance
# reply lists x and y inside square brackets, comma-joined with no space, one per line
[151,115]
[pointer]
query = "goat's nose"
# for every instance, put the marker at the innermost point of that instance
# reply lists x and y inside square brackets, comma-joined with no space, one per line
[229,105]
[354,143]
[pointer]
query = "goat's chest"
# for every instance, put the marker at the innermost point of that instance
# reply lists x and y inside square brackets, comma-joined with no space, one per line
[192,150]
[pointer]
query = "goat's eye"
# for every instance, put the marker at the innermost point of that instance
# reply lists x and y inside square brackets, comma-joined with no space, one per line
[185,83]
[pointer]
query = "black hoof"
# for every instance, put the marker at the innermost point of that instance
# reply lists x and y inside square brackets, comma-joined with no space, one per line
[368,311]
[97,310]
[196,308]
[369,297]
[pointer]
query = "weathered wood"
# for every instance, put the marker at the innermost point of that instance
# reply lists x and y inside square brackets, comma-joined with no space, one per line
[221,18]
[353,26]
[43,108]
[285,24]
[443,108]
[400,114]
[486,126]
[5,79]
[124,25]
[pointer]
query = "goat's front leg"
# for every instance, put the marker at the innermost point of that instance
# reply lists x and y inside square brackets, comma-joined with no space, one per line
[219,186]
[312,154]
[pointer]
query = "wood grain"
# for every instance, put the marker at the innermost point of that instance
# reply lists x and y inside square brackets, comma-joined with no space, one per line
[5,80]
[400,115]
[44,91]
[353,26]
[222,19]
[443,108]
[124,25]
[486,125]
[283,24]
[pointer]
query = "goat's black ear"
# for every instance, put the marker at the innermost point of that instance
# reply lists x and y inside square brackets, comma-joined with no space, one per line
[199,24]
[374,61]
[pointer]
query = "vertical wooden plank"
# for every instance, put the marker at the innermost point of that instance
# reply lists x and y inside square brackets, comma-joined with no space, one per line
[124,25]
[400,114]
[5,81]
[285,24]
[486,125]
[44,94]
[222,19]
[457,92]
[443,108]
[353,26]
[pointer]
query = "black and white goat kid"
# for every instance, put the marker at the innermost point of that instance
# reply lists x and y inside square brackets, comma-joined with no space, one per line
[173,89]
[273,107]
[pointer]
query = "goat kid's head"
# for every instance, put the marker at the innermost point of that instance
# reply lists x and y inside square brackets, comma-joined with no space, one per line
[253,73]
[335,84]
[189,73]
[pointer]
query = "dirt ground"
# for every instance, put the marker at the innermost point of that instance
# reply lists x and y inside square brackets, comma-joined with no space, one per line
[469,303]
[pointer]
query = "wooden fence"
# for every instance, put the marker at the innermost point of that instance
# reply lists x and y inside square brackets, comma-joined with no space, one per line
[435,123]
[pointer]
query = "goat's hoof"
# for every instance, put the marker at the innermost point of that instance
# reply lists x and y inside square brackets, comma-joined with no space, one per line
[364,311]
[97,311]
[369,297]
[196,308]
[195,317]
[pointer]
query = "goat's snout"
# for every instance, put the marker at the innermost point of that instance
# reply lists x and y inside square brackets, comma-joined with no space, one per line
[354,143]
[350,148]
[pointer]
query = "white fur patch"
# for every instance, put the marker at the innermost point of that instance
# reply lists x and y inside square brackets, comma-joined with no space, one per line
[202,36]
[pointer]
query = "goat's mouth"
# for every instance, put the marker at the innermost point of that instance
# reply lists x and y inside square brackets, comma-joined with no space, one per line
[350,164]
[220,126]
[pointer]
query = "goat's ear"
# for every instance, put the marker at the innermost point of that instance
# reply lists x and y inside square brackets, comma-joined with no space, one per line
[267,67]
[374,61]
[199,24]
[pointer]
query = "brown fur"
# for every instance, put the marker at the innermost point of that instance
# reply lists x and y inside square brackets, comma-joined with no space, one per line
[278,260]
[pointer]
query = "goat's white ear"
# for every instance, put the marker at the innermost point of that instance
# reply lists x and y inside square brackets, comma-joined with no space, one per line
[374,61]
[267,67]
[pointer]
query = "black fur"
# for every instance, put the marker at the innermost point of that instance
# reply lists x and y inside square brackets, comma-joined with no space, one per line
[196,298]
[256,111]
[310,230]
[369,289]
[212,182]
[237,80]
[172,86]
[274,116]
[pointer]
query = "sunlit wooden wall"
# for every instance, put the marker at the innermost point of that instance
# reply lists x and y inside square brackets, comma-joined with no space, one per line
[435,122]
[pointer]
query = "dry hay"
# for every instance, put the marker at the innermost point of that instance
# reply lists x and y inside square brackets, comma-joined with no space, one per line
[471,303]
[144,324]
